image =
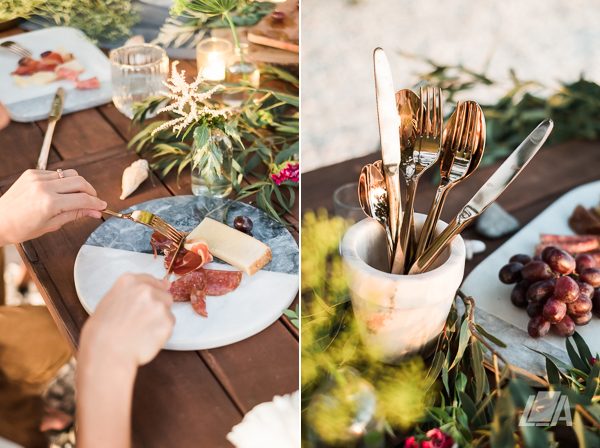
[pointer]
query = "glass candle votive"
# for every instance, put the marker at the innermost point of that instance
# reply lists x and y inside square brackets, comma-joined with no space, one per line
[211,56]
[138,72]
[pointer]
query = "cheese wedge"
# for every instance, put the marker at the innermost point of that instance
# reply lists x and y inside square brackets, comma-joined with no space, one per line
[232,246]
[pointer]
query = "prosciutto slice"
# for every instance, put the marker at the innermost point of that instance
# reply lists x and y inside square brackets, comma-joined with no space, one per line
[573,244]
[186,261]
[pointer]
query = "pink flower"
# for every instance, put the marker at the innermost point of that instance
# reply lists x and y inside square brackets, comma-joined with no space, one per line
[411,442]
[592,361]
[291,171]
[437,439]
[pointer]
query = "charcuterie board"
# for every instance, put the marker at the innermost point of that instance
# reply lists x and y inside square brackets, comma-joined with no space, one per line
[119,246]
[283,33]
[494,309]
[33,102]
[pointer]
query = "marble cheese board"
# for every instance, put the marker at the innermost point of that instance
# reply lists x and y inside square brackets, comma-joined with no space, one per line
[499,316]
[119,246]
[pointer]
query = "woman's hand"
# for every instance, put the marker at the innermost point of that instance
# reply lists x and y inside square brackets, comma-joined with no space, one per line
[132,322]
[40,202]
[129,327]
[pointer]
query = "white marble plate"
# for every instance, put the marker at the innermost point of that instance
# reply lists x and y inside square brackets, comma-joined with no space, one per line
[120,246]
[493,297]
[33,103]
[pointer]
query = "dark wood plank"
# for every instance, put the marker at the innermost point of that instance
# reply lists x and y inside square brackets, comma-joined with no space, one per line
[81,133]
[20,145]
[178,403]
[257,368]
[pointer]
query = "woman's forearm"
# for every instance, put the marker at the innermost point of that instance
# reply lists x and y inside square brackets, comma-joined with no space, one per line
[104,388]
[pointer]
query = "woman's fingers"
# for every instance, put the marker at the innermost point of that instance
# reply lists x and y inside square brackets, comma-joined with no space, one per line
[62,218]
[53,174]
[73,184]
[77,201]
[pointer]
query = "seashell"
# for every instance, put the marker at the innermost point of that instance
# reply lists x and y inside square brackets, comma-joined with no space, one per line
[274,424]
[474,247]
[133,176]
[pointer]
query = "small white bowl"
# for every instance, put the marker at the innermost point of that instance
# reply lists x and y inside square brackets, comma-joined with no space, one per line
[398,315]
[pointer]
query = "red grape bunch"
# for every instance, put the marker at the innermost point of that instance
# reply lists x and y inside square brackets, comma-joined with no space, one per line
[557,290]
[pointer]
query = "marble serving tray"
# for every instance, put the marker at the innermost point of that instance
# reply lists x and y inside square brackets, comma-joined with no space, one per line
[494,310]
[119,246]
[34,102]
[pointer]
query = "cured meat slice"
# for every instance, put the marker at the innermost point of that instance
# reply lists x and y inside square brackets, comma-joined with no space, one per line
[187,261]
[572,248]
[584,221]
[545,238]
[199,302]
[200,248]
[65,73]
[182,288]
[91,83]
[26,67]
[221,282]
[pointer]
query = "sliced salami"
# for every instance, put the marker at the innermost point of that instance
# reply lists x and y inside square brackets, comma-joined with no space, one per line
[182,288]
[221,282]
[199,303]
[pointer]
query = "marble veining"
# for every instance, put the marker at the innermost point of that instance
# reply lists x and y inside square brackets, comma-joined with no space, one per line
[185,213]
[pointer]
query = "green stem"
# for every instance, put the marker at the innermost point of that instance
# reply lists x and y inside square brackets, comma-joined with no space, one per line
[237,43]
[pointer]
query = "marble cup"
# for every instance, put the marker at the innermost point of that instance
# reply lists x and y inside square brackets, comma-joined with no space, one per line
[398,315]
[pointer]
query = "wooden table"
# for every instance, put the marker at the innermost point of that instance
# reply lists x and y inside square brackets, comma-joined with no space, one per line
[181,399]
[552,172]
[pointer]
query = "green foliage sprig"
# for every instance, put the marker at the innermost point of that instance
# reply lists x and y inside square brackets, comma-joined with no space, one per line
[574,107]
[456,395]
[264,132]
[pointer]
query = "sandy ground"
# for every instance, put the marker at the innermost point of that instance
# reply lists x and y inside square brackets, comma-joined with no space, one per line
[543,40]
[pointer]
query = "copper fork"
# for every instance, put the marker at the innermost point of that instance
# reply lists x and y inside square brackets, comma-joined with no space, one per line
[151,220]
[16,48]
[414,163]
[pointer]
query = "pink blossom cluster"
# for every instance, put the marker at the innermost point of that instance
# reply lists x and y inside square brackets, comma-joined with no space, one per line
[592,361]
[437,439]
[290,172]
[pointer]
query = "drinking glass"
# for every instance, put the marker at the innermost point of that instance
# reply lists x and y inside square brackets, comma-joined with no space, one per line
[138,72]
[347,206]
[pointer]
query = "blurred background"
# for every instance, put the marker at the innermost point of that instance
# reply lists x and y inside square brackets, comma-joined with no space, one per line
[548,41]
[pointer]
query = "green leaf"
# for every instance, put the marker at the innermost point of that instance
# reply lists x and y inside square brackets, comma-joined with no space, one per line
[592,381]
[350,347]
[201,135]
[434,371]
[553,372]
[289,99]
[290,313]
[575,358]
[287,154]
[582,347]
[489,336]
[469,407]
[478,369]
[465,335]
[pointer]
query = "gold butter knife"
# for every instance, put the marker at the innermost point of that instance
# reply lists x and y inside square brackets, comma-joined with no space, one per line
[55,114]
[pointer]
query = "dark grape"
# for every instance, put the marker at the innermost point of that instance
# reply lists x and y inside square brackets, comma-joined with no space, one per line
[596,303]
[536,271]
[535,309]
[586,289]
[243,224]
[584,319]
[25,61]
[518,296]
[584,261]
[560,261]
[520,258]
[537,257]
[554,310]
[540,291]
[566,289]
[565,328]
[45,54]
[580,306]
[546,252]
[510,273]
[591,276]
[538,327]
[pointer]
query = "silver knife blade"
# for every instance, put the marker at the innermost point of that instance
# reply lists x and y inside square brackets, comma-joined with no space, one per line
[57,104]
[511,167]
[389,120]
